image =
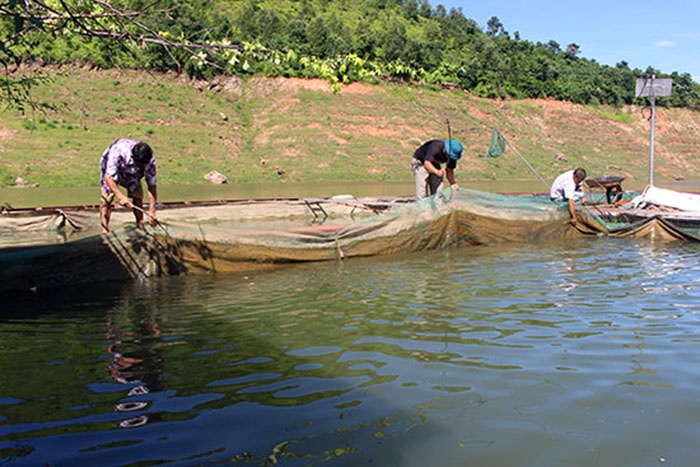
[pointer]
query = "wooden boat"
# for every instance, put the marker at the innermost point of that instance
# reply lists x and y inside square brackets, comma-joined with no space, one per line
[654,213]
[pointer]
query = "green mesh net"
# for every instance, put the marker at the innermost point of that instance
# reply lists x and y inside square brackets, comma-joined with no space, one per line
[498,144]
[54,248]
[67,246]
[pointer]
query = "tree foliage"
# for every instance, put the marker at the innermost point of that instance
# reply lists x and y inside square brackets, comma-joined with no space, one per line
[338,40]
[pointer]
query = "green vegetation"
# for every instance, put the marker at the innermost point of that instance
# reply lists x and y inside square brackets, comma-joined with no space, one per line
[342,41]
[228,85]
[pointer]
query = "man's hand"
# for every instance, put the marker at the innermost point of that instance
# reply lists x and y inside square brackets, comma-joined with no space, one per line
[152,220]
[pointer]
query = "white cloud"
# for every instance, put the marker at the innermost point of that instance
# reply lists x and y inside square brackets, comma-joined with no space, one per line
[664,44]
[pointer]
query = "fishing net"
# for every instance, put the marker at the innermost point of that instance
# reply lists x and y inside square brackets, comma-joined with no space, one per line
[57,247]
[241,236]
[498,144]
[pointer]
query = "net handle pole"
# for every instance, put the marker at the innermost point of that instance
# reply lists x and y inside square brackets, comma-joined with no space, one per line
[150,216]
[528,164]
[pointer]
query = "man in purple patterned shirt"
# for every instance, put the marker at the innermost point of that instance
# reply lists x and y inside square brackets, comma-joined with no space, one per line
[125,163]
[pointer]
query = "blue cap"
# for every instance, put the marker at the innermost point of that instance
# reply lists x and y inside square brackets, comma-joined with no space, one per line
[454,149]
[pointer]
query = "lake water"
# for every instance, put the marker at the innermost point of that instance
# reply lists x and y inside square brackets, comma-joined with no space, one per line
[20,198]
[69,196]
[581,353]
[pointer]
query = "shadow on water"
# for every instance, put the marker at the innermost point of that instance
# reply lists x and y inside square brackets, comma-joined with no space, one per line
[504,355]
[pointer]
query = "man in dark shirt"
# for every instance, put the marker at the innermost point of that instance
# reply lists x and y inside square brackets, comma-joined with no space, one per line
[427,169]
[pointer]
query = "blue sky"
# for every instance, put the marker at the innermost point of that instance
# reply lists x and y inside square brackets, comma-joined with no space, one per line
[661,34]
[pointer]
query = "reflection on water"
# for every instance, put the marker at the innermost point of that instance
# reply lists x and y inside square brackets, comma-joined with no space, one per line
[566,354]
[135,344]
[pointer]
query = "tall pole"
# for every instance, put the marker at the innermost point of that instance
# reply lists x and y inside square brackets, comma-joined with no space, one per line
[651,141]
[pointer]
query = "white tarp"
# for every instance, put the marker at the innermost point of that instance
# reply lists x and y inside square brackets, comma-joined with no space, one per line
[670,198]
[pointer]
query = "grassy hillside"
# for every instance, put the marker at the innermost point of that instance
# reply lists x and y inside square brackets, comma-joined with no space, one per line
[290,130]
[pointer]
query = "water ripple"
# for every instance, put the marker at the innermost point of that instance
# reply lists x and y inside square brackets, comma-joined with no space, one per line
[570,353]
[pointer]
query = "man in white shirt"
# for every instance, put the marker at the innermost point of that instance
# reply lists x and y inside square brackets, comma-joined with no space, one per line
[567,188]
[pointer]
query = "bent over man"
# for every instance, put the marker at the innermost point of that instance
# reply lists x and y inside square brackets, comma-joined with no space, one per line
[567,188]
[124,163]
[427,169]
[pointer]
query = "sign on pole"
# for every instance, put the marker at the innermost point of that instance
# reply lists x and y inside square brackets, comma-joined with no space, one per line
[651,87]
